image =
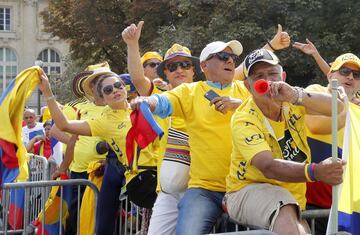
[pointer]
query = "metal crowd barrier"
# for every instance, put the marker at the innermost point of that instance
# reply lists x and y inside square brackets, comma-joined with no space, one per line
[130,217]
[28,187]
[130,223]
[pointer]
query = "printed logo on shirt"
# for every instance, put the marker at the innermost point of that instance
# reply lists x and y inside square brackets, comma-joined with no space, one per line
[241,171]
[121,125]
[290,150]
[116,148]
[254,139]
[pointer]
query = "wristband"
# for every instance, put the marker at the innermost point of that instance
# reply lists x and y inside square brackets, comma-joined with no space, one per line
[311,169]
[306,173]
[49,98]
[300,92]
[272,48]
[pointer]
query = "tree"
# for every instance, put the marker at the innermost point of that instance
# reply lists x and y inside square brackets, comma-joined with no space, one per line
[93,28]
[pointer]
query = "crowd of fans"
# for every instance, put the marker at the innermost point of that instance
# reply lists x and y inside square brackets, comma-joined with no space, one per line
[261,157]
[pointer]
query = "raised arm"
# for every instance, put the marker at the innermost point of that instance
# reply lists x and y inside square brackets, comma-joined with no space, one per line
[310,49]
[280,41]
[74,127]
[131,36]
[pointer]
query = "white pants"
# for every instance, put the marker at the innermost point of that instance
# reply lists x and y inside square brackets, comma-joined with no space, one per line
[165,212]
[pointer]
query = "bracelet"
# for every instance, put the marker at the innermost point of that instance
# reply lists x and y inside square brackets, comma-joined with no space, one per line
[311,169]
[49,98]
[300,93]
[272,48]
[306,172]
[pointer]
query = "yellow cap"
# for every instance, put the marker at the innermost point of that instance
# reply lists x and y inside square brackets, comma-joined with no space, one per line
[347,58]
[151,55]
[177,50]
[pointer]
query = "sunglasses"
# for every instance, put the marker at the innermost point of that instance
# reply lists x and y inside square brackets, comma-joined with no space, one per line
[183,64]
[223,56]
[107,90]
[152,64]
[344,71]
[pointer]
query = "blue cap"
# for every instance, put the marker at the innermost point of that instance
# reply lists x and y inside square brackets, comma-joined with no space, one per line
[128,82]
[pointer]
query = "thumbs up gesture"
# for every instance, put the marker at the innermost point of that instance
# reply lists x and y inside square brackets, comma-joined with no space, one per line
[131,34]
[281,39]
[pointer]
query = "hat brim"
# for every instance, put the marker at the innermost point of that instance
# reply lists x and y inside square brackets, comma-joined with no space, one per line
[338,66]
[196,63]
[79,78]
[234,45]
[272,62]
[87,83]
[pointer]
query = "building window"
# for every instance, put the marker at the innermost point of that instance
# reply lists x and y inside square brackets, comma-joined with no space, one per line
[4,19]
[8,67]
[51,62]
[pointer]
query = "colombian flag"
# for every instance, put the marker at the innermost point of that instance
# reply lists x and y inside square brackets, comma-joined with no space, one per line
[144,130]
[349,200]
[52,211]
[12,102]
[349,192]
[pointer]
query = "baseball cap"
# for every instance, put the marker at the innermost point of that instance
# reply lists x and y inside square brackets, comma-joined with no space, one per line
[259,55]
[150,55]
[174,51]
[77,82]
[347,58]
[128,82]
[218,46]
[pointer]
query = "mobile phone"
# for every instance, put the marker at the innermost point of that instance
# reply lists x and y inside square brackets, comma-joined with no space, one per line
[210,95]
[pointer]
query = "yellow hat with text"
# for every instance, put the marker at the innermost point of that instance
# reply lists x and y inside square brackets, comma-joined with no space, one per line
[347,58]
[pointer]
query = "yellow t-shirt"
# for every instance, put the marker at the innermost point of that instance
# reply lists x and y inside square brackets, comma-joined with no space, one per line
[252,133]
[85,148]
[209,131]
[113,126]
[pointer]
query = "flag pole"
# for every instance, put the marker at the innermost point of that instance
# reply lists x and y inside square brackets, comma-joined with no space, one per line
[334,153]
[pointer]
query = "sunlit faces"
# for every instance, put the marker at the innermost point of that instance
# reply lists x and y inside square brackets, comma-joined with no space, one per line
[113,90]
[220,67]
[47,131]
[348,76]
[150,68]
[266,71]
[30,119]
[179,70]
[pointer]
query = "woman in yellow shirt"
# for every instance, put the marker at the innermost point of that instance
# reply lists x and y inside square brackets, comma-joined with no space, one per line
[111,126]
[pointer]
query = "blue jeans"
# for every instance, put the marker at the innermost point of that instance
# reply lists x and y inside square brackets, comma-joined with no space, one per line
[198,211]
[108,201]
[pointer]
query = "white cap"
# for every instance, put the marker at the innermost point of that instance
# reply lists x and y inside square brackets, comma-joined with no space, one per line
[218,46]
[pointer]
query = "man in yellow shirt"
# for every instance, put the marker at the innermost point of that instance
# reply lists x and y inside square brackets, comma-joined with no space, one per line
[165,212]
[269,161]
[208,126]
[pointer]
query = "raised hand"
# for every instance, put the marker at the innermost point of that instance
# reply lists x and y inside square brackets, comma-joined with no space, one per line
[281,39]
[44,84]
[131,34]
[307,48]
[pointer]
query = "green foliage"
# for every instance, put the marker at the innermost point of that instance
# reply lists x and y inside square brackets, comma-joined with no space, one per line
[94,28]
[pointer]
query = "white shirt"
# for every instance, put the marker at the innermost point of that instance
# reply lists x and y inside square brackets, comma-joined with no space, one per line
[28,134]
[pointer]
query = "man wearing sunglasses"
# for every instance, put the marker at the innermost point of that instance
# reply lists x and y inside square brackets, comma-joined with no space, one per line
[210,151]
[178,67]
[346,70]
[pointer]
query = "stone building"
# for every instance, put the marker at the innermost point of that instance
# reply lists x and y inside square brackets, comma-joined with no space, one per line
[24,44]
